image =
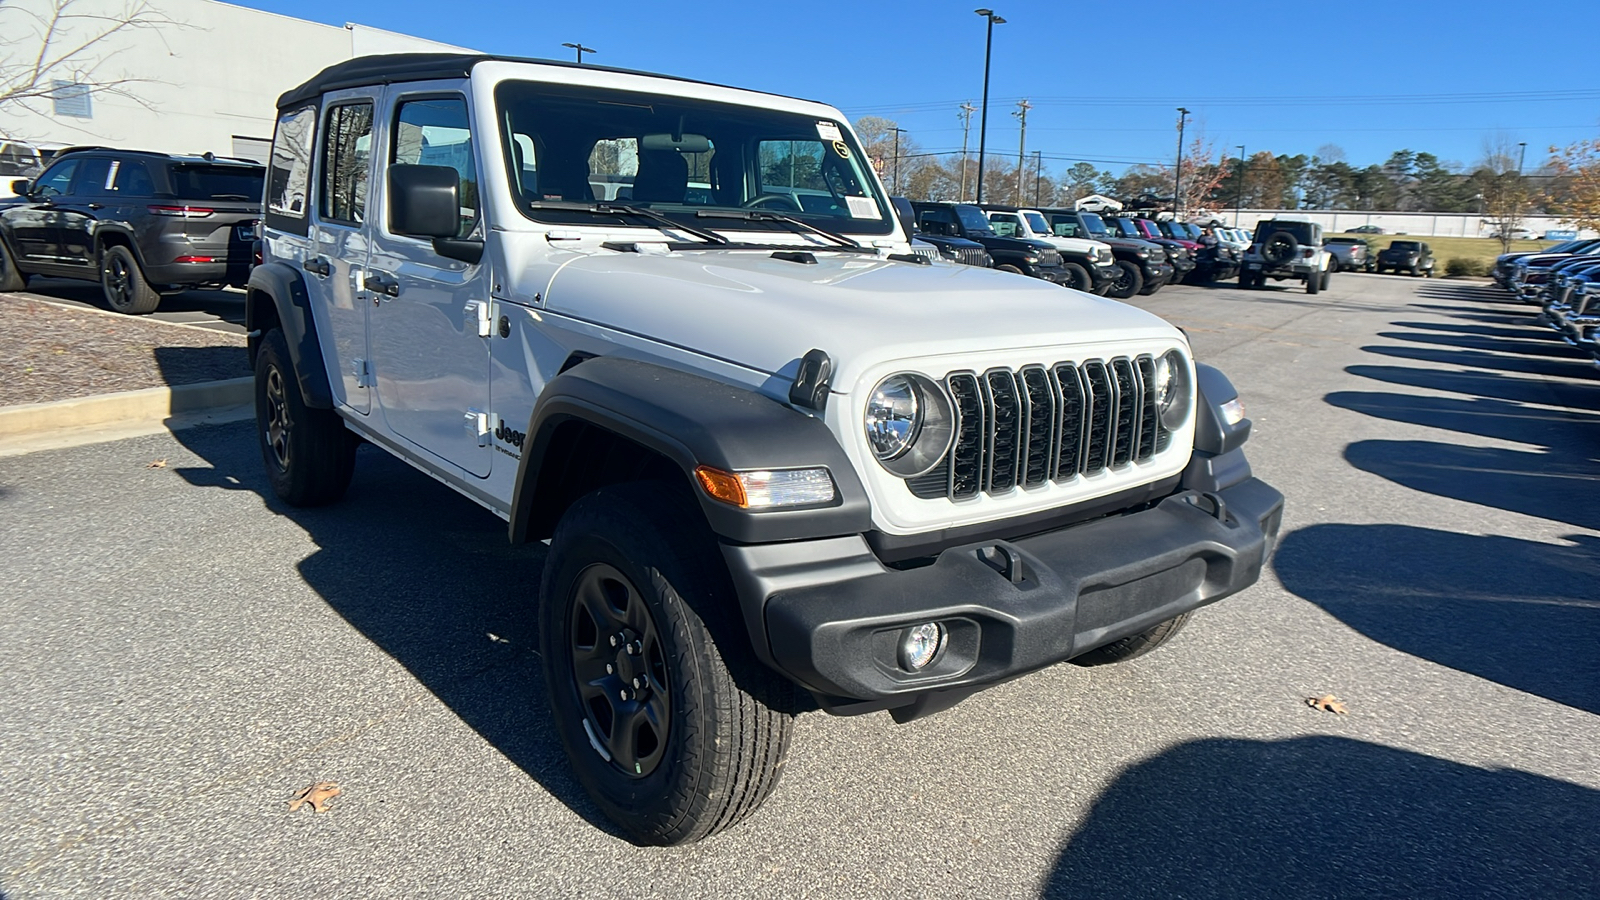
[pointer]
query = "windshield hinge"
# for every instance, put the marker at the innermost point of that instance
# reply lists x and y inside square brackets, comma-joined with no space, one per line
[553,236]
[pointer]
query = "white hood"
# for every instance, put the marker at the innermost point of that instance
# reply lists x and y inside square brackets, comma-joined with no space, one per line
[765,313]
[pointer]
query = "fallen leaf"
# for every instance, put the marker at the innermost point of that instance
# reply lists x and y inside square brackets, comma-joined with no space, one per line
[318,796]
[156,464]
[1328,703]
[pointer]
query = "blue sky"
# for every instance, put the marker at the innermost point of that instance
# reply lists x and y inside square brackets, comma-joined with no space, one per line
[1433,75]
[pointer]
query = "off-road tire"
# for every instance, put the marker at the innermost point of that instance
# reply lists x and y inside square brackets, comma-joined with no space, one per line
[1130,282]
[1313,282]
[1333,264]
[1280,248]
[124,284]
[1008,268]
[1327,278]
[308,453]
[1149,289]
[729,719]
[1077,277]
[1134,645]
[12,278]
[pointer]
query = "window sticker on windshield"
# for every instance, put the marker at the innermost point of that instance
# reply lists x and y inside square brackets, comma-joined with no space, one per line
[841,148]
[829,131]
[862,208]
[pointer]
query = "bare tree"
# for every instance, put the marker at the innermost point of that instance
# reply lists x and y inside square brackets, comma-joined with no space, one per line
[45,44]
[1504,193]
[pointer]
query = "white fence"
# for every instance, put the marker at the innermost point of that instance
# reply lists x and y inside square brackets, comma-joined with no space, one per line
[1422,224]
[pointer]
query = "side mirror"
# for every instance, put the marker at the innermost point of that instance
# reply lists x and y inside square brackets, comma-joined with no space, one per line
[424,201]
[20,187]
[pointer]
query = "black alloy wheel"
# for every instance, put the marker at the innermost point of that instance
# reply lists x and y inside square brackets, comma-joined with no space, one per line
[619,670]
[276,422]
[11,277]
[1077,277]
[123,282]
[1129,281]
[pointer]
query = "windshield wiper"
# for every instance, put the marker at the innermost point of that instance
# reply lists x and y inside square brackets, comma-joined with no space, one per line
[623,209]
[230,196]
[761,215]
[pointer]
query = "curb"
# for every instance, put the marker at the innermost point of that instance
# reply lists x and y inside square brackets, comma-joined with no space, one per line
[110,416]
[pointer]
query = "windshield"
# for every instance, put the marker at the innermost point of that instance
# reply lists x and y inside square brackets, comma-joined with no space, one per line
[1093,224]
[1036,223]
[679,157]
[218,182]
[1407,246]
[973,220]
[1126,228]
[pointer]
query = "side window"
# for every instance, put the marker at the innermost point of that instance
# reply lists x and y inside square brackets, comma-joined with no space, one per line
[94,177]
[289,169]
[937,221]
[437,132]
[346,152]
[57,179]
[1005,226]
[132,178]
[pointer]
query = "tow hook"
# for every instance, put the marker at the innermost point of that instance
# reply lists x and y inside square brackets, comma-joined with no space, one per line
[1210,503]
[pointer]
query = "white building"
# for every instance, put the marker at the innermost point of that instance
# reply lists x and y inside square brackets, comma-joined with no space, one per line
[199,76]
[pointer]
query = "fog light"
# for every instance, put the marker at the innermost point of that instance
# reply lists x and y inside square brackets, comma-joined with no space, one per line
[919,645]
[1233,411]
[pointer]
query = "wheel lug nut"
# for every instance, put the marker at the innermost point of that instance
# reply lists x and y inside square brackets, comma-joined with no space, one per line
[638,683]
[616,639]
[609,668]
[622,694]
[634,648]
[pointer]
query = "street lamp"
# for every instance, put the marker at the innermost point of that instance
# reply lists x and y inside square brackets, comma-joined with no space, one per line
[897,132]
[983,124]
[581,50]
[1238,202]
[1521,155]
[1177,173]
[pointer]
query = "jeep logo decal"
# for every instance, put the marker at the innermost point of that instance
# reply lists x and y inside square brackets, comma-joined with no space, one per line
[514,438]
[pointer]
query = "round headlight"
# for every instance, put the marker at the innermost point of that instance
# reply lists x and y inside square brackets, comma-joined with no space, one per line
[909,424]
[1172,390]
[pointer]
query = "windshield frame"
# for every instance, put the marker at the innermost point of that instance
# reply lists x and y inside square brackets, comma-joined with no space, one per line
[506,98]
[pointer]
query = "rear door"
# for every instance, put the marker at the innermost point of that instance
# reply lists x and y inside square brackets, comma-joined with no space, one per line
[431,318]
[340,238]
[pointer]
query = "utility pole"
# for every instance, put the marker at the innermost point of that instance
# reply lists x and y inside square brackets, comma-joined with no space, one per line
[1521,155]
[581,50]
[967,109]
[1038,174]
[1022,142]
[1177,173]
[1238,202]
[983,118]
[897,130]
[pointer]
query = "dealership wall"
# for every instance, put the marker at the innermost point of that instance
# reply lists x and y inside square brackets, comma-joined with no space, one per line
[207,82]
[1425,224]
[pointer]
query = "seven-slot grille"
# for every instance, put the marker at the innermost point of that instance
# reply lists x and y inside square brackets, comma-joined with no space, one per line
[1039,424]
[973,256]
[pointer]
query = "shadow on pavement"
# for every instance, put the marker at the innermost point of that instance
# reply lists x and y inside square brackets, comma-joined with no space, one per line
[430,578]
[1575,395]
[1534,365]
[1329,817]
[1528,344]
[225,305]
[1520,613]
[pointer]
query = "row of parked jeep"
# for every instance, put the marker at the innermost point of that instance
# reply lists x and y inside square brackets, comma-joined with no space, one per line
[1107,254]
[1563,281]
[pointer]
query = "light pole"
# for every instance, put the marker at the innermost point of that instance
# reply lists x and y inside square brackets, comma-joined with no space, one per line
[897,130]
[581,50]
[983,121]
[1238,202]
[1177,173]
[1038,174]
[1522,154]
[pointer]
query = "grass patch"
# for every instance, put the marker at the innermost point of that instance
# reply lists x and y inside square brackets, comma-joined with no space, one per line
[1467,250]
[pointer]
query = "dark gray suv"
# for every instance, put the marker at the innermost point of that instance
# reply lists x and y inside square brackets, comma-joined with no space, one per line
[142,224]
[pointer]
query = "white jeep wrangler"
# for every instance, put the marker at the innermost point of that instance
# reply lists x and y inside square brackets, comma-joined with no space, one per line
[781,462]
[1287,249]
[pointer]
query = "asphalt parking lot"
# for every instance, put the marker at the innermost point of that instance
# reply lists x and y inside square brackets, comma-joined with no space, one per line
[181,654]
[219,310]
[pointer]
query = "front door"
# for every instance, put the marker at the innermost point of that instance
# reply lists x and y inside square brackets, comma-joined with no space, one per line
[430,321]
[340,239]
[34,226]
[79,212]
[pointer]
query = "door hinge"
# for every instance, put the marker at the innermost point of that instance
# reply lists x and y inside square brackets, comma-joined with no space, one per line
[362,371]
[478,426]
[480,317]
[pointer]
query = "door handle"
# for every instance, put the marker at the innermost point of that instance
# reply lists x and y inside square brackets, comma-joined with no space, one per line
[379,283]
[317,266]
[96,206]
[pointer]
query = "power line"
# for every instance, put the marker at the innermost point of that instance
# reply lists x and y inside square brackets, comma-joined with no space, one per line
[1275,100]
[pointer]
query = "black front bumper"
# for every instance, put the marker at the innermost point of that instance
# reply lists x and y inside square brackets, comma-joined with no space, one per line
[833,614]
[1104,275]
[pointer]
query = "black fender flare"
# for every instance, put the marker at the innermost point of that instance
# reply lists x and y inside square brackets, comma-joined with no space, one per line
[692,420]
[292,304]
[132,242]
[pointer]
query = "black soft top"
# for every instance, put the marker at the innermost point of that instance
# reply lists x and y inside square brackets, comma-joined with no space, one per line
[390,68]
